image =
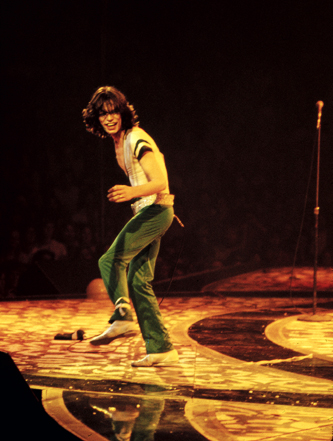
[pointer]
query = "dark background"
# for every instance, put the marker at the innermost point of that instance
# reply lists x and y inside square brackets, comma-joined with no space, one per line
[228,90]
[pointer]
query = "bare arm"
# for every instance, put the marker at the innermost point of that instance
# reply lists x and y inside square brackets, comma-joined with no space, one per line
[156,182]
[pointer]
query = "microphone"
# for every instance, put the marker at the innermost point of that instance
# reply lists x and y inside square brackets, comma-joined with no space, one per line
[320,105]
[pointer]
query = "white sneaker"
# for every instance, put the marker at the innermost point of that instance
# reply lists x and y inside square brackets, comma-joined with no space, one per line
[161,359]
[118,328]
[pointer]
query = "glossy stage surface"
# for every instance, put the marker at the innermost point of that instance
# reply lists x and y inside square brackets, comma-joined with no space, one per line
[253,366]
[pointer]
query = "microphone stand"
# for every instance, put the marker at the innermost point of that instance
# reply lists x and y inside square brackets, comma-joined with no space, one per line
[316,317]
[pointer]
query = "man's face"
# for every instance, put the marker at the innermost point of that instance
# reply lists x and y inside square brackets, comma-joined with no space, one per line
[110,119]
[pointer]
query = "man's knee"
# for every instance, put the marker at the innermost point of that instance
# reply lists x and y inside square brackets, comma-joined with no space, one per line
[105,263]
[101,262]
[111,261]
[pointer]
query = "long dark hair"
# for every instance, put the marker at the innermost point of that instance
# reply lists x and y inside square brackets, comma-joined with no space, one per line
[110,94]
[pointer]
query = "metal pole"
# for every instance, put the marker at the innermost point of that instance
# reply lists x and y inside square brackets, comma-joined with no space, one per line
[320,105]
[315,317]
[316,213]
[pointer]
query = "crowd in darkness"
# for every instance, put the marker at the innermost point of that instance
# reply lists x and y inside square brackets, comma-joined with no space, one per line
[232,217]
[43,215]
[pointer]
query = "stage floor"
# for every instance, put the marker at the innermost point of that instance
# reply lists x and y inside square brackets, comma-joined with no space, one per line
[250,367]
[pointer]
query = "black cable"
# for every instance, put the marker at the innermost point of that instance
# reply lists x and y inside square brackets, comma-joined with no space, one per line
[302,223]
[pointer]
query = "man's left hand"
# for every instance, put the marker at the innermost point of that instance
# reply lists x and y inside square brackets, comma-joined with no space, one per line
[120,193]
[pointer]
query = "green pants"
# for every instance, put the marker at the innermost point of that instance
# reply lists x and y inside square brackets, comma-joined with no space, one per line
[127,269]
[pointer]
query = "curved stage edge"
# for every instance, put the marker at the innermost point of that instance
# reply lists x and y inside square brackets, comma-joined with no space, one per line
[249,368]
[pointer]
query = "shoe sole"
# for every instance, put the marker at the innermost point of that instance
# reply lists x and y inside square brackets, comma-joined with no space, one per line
[107,340]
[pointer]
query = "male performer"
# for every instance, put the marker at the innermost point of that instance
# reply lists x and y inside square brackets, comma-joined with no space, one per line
[109,114]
